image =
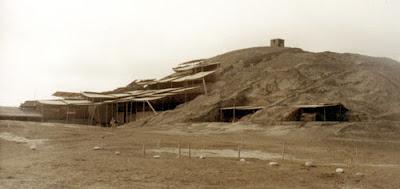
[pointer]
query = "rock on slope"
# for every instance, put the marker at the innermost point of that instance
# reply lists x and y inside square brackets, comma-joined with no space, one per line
[279,78]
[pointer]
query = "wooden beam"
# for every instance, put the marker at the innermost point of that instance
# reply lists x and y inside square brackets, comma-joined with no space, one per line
[126,113]
[130,111]
[106,110]
[152,108]
[41,110]
[66,116]
[204,86]
[135,111]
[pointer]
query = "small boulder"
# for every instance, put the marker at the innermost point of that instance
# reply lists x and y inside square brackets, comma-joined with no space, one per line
[32,147]
[358,174]
[202,157]
[242,160]
[117,153]
[309,164]
[339,170]
[156,156]
[96,148]
[273,163]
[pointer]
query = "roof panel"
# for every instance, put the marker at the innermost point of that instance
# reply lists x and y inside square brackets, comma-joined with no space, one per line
[77,102]
[120,95]
[96,95]
[243,108]
[318,105]
[52,102]
[195,76]
[147,99]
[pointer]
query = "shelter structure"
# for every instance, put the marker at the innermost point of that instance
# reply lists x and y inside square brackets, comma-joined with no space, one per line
[277,43]
[141,98]
[234,113]
[319,112]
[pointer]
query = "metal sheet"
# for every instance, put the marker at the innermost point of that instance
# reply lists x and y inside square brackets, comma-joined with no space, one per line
[243,108]
[78,102]
[52,102]
[195,76]
[96,95]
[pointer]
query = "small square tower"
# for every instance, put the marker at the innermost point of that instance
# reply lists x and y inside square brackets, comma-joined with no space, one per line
[277,43]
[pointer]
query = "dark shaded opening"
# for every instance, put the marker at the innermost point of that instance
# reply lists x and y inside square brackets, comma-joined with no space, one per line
[235,114]
[320,113]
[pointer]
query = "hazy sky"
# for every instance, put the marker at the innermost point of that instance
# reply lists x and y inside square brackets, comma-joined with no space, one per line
[96,45]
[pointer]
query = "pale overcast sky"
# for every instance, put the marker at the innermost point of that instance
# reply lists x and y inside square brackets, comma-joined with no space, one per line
[96,45]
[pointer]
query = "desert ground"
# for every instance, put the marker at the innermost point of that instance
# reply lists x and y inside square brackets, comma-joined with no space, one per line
[53,155]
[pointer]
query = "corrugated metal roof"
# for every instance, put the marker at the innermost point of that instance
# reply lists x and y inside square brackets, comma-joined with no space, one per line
[97,95]
[147,99]
[66,94]
[166,80]
[195,76]
[139,92]
[52,102]
[120,95]
[77,102]
[318,105]
[186,67]
[243,108]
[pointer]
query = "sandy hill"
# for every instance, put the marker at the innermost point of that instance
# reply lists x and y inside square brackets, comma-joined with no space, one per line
[279,78]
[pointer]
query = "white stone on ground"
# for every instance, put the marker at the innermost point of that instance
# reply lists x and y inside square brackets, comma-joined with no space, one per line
[242,160]
[202,157]
[309,164]
[339,170]
[96,148]
[33,147]
[358,174]
[273,163]
[117,152]
[156,156]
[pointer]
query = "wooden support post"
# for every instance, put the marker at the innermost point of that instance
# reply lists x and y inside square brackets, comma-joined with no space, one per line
[283,150]
[126,113]
[144,150]
[204,86]
[221,118]
[66,116]
[131,111]
[107,115]
[41,110]
[238,148]
[89,115]
[152,108]
[179,150]
[116,112]
[324,114]
[135,111]
[190,153]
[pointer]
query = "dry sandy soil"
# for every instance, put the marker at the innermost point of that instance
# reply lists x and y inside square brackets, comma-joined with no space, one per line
[65,157]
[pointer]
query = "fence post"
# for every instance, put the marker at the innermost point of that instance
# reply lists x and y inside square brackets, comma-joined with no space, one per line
[179,150]
[144,150]
[283,150]
[238,148]
[190,154]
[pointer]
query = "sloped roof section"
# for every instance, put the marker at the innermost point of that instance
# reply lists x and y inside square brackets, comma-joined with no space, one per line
[195,76]
[97,95]
[77,102]
[318,105]
[64,94]
[52,102]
